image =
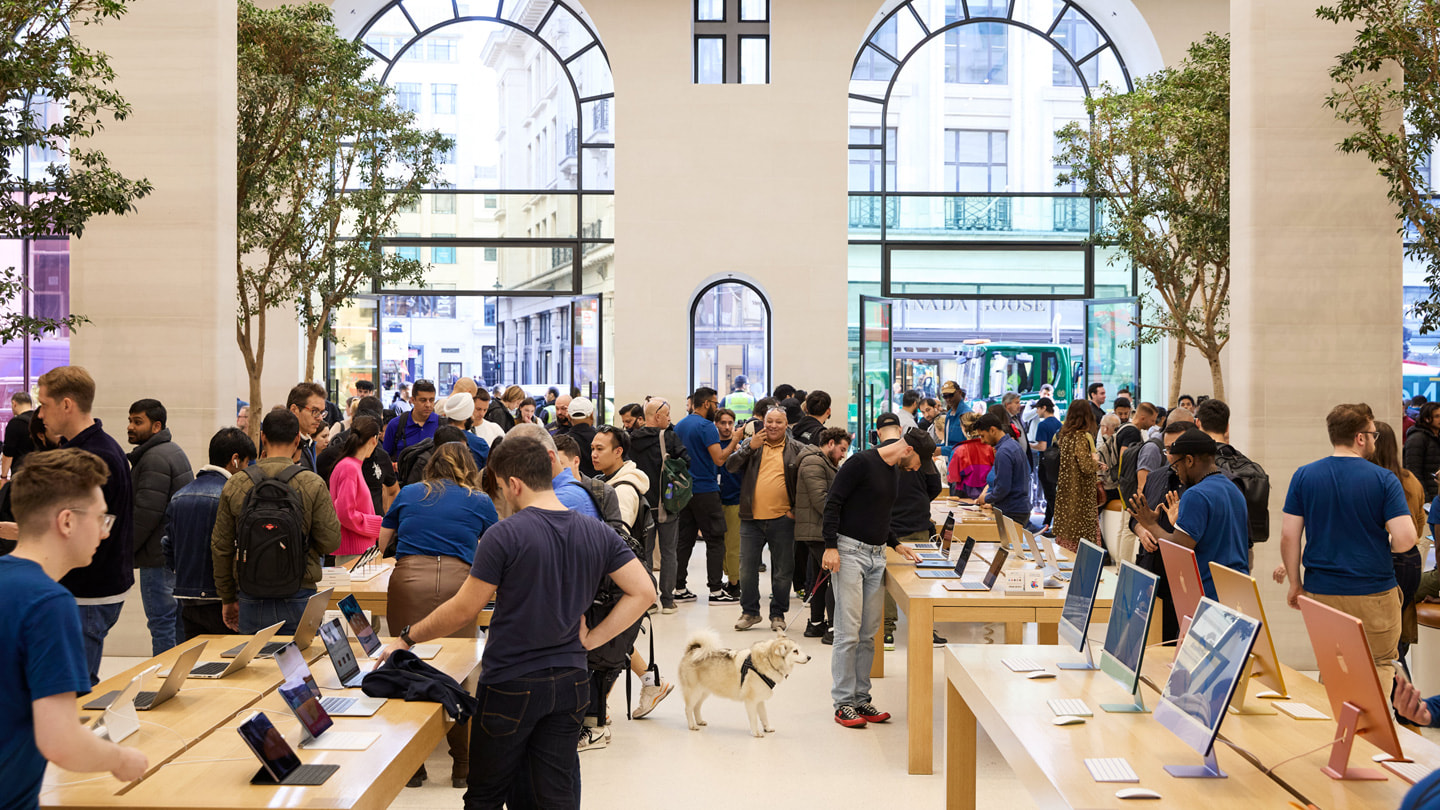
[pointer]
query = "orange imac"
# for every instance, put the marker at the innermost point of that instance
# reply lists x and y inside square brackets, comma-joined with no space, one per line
[1241,592]
[1182,573]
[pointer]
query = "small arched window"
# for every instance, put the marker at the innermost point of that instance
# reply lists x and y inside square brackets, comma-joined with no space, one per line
[730,337]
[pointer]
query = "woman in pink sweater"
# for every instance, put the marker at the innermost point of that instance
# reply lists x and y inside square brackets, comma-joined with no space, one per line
[359,525]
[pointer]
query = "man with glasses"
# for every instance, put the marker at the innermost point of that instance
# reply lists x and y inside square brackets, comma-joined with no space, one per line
[1353,516]
[419,424]
[955,407]
[307,402]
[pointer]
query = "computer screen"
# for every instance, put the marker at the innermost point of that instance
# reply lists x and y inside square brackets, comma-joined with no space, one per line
[360,625]
[1347,668]
[293,668]
[1080,598]
[964,558]
[1129,624]
[996,563]
[1241,592]
[339,648]
[269,745]
[1208,664]
[306,707]
[947,533]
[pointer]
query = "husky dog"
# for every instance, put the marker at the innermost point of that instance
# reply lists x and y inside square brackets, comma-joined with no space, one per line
[708,669]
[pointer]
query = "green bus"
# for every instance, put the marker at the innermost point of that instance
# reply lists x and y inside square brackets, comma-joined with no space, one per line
[987,370]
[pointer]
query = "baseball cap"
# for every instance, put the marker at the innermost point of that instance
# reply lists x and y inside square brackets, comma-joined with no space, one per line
[581,407]
[1193,442]
[886,420]
[949,388]
[740,380]
[458,407]
[924,447]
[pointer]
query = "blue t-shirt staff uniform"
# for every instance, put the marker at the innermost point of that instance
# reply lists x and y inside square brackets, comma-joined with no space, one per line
[1010,485]
[42,653]
[1346,502]
[573,494]
[447,523]
[1047,430]
[1213,513]
[697,434]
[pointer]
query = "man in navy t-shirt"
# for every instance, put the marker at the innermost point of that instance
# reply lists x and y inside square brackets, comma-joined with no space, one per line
[704,517]
[60,510]
[1212,516]
[541,562]
[1354,516]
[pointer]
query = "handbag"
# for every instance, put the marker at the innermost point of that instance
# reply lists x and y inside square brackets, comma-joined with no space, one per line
[675,482]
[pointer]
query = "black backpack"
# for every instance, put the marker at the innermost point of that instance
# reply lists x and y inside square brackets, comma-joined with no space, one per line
[1129,477]
[270,546]
[615,653]
[410,467]
[1254,484]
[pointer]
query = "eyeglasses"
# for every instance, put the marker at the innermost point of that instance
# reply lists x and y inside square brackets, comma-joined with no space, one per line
[106,523]
[1374,433]
[315,411]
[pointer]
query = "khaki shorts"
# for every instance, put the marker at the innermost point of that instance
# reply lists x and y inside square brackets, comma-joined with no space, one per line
[1380,614]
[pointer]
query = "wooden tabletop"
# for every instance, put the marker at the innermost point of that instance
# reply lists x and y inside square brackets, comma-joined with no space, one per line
[373,594]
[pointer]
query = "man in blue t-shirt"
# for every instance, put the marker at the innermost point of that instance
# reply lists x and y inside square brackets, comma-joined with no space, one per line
[1354,516]
[541,562]
[60,510]
[704,517]
[1211,518]
[1009,488]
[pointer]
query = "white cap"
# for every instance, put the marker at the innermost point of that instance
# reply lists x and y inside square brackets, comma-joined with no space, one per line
[458,407]
[581,407]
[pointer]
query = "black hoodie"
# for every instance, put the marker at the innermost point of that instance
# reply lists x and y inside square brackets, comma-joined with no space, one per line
[645,452]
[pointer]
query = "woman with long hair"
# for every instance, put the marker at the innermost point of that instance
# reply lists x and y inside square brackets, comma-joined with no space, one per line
[359,525]
[526,414]
[435,527]
[1408,564]
[1077,515]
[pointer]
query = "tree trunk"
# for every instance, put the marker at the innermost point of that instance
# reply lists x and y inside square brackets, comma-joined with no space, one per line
[1177,369]
[1217,378]
[312,340]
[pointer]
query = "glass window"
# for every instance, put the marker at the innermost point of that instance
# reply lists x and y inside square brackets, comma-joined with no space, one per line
[711,10]
[865,163]
[441,50]
[754,10]
[709,60]
[443,96]
[490,254]
[442,254]
[975,160]
[730,336]
[407,96]
[977,53]
[442,203]
[754,60]
[731,42]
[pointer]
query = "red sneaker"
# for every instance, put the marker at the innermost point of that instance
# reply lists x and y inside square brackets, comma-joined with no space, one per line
[871,714]
[849,718]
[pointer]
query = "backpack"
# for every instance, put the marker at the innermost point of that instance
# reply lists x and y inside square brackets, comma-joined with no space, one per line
[640,528]
[1129,477]
[615,653]
[411,466]
[1254,484]
[1050,459]
[270,546]
[675,481]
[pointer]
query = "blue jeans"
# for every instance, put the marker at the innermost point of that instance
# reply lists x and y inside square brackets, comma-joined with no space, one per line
[523,741]
[162,612]
[258,614]
[859,588]
[779,533]
[95,623]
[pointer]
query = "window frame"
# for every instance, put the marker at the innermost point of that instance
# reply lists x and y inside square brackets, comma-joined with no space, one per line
[695,300]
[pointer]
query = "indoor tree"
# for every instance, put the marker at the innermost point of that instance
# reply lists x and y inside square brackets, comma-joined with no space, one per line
[55,93]
[1158,160]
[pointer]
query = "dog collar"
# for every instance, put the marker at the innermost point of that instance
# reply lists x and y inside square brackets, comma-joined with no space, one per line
[749,666]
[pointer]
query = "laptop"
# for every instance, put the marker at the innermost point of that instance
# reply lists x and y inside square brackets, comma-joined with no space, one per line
[365,634]
[337,644]
[947,535]
[219,669]
[952,573]
[293,669]
[1011,541]
[1052,552]
[988,583]
[304,632]
[145,701]
[1045,559]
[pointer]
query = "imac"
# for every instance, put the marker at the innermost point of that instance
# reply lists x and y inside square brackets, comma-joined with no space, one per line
[1182,573]
[1241,592]
[1212,655]
[1079,599]
[1347,668]
[1125,635]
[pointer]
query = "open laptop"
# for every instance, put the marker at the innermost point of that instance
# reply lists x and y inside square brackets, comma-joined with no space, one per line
[145,701]
[946,536]
[294,670]
[996,564]
[955,572]
[1045,559]
[1011,539]
[365,634]
[219,669]
[1052,553]
[337,644]
[304,631]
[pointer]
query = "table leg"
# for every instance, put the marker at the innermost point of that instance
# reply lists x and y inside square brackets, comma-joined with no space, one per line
[1047,633]
[920,682]
[877,664]
[1014,632]
[960,751]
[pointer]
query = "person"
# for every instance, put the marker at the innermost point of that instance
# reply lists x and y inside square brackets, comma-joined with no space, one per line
[534,684]
[416,425]
[1159,484]
[561,421]
[333,414]
[1137,429]
[1095,397]
[17,443]
[1354,516]
[1408,564]
[549,406]
[1422,448]
[767,464]
[929,410]
[400,401]
[378,470]
[1047,427]
[1109,451]
[1213,417]
[1031,409]
[158,469]
[740,400]
[307,401]
[816,412]
[434,526]
[947,425]
[649,445]
[730,499]
[582,429]
[63,519]
[484,428]
[1008,485]
[910,516]
[365,388]
[971,461]
[319,528]
[458,410]
[1013,406]
[563,453]
[856,530]
[1211,517]
[1076,514]
[189,523]
[1187,402]
[66,396]
[359,523]
[242,417]
[813,477]
[785,391]
[632,415]
[526,414]
[502,411]
[1122,408]
[703,518]
[909,405]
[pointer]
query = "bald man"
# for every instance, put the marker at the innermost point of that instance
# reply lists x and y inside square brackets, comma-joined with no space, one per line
[561,422]
[645,451]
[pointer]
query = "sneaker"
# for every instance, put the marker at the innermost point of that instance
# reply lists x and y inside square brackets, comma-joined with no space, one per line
[939,639]
[418,779]
[733,588]
[777,624]
[746,621]
[762,568]
[684,595]
[652,610]
[828,638]
[594,737]
[650,697]
[849,718]
[668,609]
[815,629]
[889,642]
[724,597]
[871,714]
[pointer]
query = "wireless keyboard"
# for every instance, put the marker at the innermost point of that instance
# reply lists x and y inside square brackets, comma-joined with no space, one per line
[1301,711]
[1021,664]
[1411,772]
[1073,707]
[1111,769]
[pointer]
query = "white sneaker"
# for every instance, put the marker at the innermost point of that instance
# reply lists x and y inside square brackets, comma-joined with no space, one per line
[592,737]
[650,697]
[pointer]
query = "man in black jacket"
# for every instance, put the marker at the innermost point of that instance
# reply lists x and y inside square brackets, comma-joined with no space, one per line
[647,451]
[817,410]
[910,517]
[1422,448]
[159,468]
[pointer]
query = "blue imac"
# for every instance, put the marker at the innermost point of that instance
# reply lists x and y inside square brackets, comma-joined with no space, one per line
[1125,635]
[1079,599]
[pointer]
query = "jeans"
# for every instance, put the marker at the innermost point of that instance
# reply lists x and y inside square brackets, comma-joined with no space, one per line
[665,534]
[779,534]
[95,623]
[258,614]
[162,613]
[858,587]
[704,517]
[523,741]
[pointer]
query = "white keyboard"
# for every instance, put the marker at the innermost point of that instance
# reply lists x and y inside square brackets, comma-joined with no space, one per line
[334,705]
[1021,664]
[1411,772]
[342,741]
[1073,707]
[1111,769]
[1301,711]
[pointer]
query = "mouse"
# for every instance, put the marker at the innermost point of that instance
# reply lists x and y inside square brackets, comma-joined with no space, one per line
[1072,720]
[1040,675]
[1055,582]
[1136,793]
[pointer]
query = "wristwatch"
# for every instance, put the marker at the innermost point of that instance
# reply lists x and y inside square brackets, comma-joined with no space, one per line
[405,637]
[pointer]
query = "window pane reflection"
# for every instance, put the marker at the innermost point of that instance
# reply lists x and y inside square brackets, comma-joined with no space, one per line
[730,336]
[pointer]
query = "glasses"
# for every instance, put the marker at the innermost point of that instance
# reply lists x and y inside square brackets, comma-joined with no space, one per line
[315,411]
[106,523]
[1374,433]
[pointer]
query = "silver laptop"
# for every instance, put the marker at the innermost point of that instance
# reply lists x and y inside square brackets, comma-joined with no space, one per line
[118,721]
[304,631]
[1053,553]
[219,669]
[1011,539]
[293,669]
[337,644]
[145,701]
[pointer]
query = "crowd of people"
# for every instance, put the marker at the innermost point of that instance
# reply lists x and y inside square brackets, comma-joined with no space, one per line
[586,528]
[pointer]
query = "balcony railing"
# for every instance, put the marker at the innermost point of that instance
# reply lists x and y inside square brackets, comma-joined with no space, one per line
[561,257]
[1072,215]
[572,142]
[977,213]
[600,116]
[865,212]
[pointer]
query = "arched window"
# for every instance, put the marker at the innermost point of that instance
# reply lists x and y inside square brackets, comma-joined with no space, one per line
[730,336]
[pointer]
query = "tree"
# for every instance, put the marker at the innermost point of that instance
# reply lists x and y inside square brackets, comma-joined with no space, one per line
[1388,88]
[1158,159]
[308,119]
[55,94]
